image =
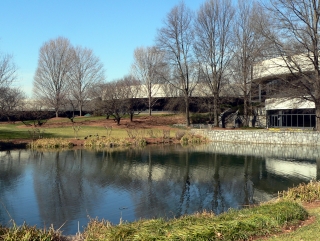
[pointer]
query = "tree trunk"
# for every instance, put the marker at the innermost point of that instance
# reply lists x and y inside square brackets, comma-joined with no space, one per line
[149,103]
[318,169]
[57,113]
[317,104]
[187,110]
[131,116]
[215,110]
[118,120]
[245,111]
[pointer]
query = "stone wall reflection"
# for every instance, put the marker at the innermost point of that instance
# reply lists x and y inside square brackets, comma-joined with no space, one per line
[262,150]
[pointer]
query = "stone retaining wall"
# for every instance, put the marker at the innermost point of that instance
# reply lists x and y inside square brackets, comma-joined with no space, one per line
[261,136]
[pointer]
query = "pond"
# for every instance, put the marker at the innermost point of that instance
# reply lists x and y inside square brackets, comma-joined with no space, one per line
[66,188]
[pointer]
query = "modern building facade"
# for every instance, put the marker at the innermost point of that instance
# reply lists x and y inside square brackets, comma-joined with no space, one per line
[284,108]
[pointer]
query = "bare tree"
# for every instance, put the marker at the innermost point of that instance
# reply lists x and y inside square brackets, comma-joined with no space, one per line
[51,80]
[115,101]
[175,39]
[131,90]
[296,38]
[36,112]
[249,46]
[8,70]
[96,93]
[147,68]
[170,91]
[87,71]
[11,98]
[213,30]
[11,102]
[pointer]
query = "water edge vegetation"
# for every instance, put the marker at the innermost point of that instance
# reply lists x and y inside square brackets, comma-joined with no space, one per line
[265,220]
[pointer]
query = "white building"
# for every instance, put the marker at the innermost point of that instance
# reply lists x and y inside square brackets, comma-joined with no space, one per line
[285,111]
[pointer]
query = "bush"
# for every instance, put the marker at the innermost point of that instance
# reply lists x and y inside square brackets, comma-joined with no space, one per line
[199,118]
[113,142]
[304,192]
[180,134]
[29,233]
[50,143]
[193,139]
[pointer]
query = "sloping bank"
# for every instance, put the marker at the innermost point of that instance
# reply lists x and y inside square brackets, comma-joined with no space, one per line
[277,136]
[233,225]
[263,220]
[244,224]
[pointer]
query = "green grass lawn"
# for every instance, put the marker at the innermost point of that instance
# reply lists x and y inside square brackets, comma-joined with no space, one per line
[19,130]
[68,132]
[13,131]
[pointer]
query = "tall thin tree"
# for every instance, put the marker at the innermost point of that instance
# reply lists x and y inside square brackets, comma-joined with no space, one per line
[213,30]
[175,39]
[249,46]
[87,71]
[148,69]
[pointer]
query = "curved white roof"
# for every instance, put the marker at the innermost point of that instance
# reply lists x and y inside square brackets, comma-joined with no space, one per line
[288,103]
[282,66]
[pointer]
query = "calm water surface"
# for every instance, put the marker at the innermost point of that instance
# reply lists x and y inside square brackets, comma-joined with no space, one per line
[64,188]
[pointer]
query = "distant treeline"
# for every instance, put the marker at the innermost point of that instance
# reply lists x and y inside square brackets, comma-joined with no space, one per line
[176,104]
[34,115]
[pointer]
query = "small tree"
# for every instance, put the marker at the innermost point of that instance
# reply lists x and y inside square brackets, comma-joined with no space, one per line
[11,98]
[96,93]
[115,101]
[131,91]
[37,113]
[8,71]
[12,101]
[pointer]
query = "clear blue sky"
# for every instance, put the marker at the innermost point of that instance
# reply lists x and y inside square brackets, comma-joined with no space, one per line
[111,28]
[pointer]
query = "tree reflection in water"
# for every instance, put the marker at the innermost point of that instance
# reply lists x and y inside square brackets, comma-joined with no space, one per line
[64,187]
[218,202]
